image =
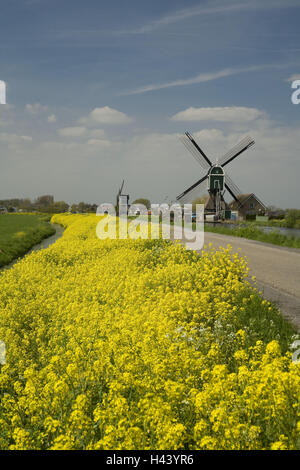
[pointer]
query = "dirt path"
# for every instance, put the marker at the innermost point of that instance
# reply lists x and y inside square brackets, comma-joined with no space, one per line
[277,270]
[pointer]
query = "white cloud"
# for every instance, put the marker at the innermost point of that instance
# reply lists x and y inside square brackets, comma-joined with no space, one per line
[80,131]
[35,108]
[75,131]
[14,138]
[7,115]
[293,77]
[51,118]
[210,135]
[217,7]
[225,114]
[106,115]
[99,142]
[97,133]
[203,77]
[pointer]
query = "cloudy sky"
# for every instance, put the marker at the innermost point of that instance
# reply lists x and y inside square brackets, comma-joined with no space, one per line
[99,91]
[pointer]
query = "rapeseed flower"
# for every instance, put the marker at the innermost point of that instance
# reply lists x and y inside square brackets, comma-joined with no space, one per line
[139,344]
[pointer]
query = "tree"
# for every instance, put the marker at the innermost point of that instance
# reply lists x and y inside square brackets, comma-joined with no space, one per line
[59,207]
[25,204]
[84,207]
[292,216]
[45,200]
[143,201]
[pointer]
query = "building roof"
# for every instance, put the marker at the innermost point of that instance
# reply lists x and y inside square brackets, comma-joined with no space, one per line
[244,198]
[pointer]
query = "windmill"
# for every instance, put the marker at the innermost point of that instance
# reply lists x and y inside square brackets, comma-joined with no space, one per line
[122,199]
[217,180]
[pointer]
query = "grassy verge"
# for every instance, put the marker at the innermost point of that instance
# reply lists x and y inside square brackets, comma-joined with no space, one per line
[260,223]
[19,232]
[254,233]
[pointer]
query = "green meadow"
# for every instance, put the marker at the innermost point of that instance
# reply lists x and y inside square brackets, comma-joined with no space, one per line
[19,232]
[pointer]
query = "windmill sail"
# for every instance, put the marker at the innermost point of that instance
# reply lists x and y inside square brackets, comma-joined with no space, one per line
[193,191]
[192,146]
[120,192]
[234,188]
[236,150]
[215,175]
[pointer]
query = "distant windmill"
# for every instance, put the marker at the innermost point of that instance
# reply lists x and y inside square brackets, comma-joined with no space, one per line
[122,199]
[218,180]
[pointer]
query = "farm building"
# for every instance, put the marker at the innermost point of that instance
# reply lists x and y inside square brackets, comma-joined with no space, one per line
[248,205]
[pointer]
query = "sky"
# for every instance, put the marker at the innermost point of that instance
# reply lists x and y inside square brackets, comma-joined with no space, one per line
[99,91]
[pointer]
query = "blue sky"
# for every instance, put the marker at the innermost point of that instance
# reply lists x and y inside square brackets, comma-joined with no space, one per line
[98,91]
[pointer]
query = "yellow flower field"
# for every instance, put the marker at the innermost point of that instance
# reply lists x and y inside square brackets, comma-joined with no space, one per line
[122,344]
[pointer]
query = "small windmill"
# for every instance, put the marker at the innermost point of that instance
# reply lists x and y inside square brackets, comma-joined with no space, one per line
[122,199]
[218,180]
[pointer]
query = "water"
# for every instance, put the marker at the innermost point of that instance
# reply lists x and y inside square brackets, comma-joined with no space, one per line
[283,230]
[39,246]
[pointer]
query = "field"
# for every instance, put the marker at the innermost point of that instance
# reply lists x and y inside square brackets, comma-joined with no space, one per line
[123,344]
[19,232]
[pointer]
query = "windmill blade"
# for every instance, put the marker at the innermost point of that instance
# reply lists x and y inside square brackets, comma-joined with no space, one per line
[236,150]
[192,191]
[192,146]
[193,194]
[234,187]
[192,140]
[194,152]
[119,193]
[232,194]
[121,188]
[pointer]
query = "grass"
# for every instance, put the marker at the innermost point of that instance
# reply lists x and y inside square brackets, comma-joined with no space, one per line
[254,233]
[279,223]
[19,232]
[263,324]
